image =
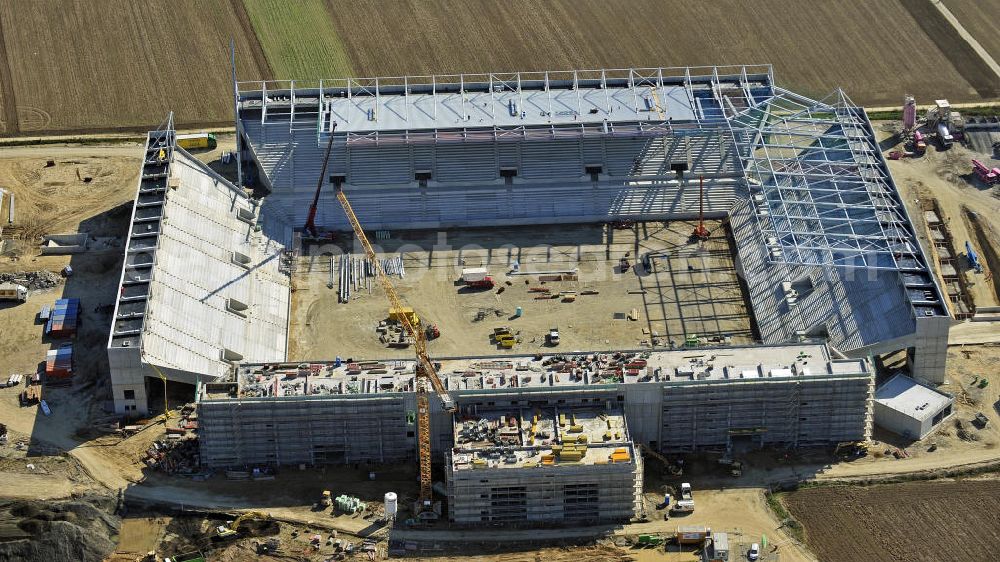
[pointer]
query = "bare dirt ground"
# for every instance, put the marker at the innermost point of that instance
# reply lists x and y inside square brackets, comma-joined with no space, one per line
[59,198]
[691,290]
[947,177]
[926,521]
[952,448]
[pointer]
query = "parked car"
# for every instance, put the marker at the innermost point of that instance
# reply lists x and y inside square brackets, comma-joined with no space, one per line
[754,552]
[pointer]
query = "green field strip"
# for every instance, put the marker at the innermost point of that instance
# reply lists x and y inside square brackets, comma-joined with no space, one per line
[298,39]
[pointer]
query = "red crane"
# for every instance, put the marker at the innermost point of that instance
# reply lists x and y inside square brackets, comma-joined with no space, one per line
[700,232]
[310,227]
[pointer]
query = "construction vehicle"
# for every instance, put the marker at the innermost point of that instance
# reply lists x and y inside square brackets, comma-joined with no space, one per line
[649,541]
[851,450]
[432,332]
[919,143]
[196,140]
[231,531]
[13,292]
[477,278]
[272,546]
[686,503]
[553,336]
[989,176]
[326,500]
[397,313]
[974,262]
[310,227]
[735,466]
[672,469]
[426,374]
[944,122]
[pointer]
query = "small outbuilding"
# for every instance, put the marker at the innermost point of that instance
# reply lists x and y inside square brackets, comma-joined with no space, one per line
[910,408]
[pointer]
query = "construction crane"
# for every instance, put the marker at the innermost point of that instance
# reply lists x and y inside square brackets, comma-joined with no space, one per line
[310,226]
[700,232]
[425,373]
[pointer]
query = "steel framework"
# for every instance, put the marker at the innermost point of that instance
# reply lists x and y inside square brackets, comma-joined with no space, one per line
[820,187]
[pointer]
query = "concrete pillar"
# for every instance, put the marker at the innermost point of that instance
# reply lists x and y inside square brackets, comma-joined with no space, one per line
[929,353]
[130,398]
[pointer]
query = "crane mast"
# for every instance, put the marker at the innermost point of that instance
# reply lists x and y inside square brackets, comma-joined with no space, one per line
[425,371]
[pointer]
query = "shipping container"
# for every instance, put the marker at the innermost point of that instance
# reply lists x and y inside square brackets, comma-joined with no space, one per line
[196,140]
[59,362]
[64,318]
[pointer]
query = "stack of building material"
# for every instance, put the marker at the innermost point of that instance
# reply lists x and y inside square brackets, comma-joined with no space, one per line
[63,319]
[350,504]
[620,455]
[59,363]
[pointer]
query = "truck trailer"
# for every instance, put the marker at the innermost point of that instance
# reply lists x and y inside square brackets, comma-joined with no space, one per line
[477,277]
[13,292]
[197,140]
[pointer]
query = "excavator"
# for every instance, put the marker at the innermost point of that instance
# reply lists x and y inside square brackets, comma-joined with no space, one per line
[230,531]
[426,374]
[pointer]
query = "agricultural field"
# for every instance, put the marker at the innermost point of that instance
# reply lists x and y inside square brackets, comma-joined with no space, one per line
[120,64]
[979,17]
[80,65]
[300,43]
[876,51]
[914,521]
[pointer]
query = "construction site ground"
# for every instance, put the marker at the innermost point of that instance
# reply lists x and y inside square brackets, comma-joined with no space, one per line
[946,176]
[692,289]
[68,459]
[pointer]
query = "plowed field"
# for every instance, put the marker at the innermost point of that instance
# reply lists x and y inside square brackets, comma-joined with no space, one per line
[912,522]
[875,51]
[115,64]
[99,65]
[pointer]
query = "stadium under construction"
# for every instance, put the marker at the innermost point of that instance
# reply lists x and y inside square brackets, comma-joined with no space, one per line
[823,257]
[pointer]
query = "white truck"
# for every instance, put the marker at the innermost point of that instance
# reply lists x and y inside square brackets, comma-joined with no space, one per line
[13,292]
[477,277]
[686,503]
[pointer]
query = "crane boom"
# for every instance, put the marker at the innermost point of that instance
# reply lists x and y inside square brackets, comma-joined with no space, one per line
[425,367]
[310,227]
